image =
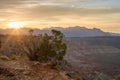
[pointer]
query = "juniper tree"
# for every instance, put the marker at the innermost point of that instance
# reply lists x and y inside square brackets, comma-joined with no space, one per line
[45,47]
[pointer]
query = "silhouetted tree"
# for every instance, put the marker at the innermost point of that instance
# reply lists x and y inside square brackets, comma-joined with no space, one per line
[29,45]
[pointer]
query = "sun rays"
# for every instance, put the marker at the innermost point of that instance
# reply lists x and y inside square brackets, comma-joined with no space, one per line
[14,36]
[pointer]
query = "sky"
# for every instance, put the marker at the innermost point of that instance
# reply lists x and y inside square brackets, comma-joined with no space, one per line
[103,14]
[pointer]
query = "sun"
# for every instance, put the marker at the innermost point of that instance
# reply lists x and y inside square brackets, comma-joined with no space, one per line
[16,25]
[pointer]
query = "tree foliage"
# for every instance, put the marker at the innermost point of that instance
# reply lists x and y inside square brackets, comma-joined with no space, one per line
[45,47]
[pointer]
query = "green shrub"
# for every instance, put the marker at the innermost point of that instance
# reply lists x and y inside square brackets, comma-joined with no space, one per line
[45,47]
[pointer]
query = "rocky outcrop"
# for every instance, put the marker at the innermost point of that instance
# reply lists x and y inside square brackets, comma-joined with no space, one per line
[22,70]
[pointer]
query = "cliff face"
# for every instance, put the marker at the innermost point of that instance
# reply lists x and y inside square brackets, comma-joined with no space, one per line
[90,59]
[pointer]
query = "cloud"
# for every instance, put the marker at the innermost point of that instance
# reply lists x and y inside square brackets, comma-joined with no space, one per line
[44,12]
[60,12]
[9,3]
[17,3]
[51,11]
[24,8]
[67,1]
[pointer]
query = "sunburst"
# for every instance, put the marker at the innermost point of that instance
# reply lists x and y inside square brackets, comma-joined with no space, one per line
[16,25]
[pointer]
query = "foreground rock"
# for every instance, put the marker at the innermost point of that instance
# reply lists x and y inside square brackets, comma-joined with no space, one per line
[26,70]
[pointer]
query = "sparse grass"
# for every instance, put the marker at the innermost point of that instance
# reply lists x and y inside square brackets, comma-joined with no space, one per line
[13,57]
[4,57]
[16,57]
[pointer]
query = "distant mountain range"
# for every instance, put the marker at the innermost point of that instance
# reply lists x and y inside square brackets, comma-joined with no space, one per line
[76,31]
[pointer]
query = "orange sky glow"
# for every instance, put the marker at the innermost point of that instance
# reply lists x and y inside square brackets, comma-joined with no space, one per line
[64,13]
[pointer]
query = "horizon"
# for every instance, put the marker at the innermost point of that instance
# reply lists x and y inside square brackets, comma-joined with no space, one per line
[101,14]
[63,28]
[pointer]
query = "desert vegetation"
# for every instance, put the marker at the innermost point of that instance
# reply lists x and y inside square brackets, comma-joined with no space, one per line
[44,48]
